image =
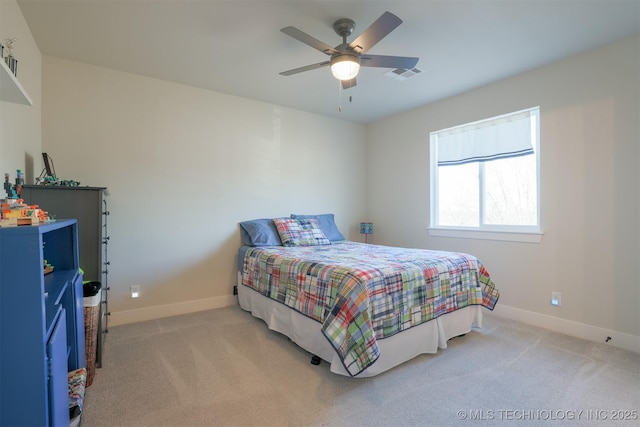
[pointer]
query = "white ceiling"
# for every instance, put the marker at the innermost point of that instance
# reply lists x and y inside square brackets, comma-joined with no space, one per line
[235,46]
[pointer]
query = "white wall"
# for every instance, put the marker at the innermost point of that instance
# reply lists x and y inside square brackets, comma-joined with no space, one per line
[183,167]
[20,125]
[590,205]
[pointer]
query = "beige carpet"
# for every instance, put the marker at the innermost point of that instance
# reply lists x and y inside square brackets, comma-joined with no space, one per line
[225,368]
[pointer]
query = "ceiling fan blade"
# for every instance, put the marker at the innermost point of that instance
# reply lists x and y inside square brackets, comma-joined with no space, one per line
[348,84]
[308,40]
[376,32]
[305,68]
[388,61]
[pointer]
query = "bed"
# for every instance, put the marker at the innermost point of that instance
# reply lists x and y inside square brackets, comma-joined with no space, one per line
[363,308]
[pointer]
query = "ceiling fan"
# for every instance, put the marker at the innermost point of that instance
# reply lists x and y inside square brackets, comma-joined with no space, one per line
[346,58]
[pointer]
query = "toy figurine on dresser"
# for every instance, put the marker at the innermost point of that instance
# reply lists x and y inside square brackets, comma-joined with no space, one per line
[13,191]
[13,211]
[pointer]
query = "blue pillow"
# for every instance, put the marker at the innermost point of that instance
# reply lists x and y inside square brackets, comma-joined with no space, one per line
[259,232]
[327,225]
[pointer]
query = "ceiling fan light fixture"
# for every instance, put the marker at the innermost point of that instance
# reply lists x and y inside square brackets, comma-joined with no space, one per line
[345,66]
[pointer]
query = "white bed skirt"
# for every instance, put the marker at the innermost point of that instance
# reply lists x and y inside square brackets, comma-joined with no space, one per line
[397,349]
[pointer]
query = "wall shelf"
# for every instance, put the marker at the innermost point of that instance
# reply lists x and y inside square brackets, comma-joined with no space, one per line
[10,88]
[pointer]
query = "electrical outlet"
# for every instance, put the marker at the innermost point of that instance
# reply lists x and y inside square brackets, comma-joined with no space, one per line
[556,298]
[135,291]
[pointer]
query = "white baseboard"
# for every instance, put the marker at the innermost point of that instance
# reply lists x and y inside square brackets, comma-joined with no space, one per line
[159,311]
[569,327]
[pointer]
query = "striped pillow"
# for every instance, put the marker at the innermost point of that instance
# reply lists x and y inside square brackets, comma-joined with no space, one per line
[300,232]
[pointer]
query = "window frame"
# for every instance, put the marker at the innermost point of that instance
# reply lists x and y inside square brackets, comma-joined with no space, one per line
[518,233]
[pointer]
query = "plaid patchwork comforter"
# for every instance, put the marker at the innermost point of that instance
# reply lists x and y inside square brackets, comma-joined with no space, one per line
[361,293]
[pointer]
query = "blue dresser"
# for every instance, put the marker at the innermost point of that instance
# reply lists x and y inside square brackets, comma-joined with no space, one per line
[41,322]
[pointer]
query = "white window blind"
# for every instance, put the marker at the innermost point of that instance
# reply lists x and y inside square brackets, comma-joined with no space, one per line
[497,138]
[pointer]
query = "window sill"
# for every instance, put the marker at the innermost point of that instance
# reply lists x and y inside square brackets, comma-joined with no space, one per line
[506,236]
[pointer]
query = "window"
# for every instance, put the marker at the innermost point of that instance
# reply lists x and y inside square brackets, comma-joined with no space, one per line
[485,177]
